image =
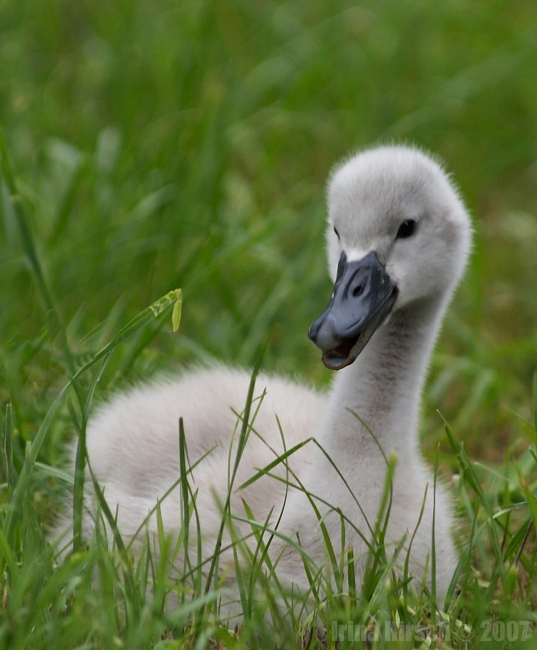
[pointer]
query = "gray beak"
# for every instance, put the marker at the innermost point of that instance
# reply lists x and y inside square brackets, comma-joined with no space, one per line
[363,297]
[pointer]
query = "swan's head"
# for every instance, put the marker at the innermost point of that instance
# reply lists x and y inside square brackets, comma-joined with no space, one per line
[398,235]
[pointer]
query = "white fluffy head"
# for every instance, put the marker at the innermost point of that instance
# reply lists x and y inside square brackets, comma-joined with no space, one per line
[372,193]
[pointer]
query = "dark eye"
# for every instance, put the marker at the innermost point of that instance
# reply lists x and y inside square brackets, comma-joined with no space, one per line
[337,234]
[406,229]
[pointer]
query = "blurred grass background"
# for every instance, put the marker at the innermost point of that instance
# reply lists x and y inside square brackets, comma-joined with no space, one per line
[187,144]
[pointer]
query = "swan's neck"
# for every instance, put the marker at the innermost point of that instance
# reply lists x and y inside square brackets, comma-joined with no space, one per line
[383,387]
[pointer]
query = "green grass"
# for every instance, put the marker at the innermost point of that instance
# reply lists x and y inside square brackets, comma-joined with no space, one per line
[158,145]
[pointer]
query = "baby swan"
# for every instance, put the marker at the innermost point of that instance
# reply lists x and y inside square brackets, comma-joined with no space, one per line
[398,242]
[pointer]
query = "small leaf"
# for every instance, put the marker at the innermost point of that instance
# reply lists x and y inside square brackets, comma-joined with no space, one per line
[176,313]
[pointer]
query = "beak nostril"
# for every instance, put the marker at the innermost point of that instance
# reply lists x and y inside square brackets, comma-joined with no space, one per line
[358,290]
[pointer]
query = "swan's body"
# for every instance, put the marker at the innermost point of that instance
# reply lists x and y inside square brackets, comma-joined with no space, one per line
[133,445]
[132,442]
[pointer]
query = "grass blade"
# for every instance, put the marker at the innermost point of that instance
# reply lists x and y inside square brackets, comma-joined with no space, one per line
[11,474]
